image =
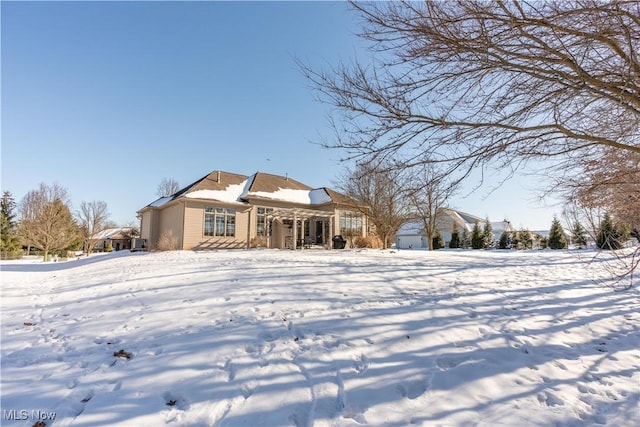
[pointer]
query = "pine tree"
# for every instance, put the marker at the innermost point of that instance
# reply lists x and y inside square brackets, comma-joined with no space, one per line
[9,243]
[438,241]
[504,240]
[466,240]
[557,240]
[477,237]
[579,235]
[523,239]
[487,234]
[611,236]
[455,237]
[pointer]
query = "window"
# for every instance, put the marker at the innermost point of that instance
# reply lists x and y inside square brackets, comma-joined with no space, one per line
[263,226]
[350,223]
[219,222]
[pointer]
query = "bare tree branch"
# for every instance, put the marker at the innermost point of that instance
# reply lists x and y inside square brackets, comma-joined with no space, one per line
[93,217]
[46,221]
[379,192]
[167,187]
[474,82]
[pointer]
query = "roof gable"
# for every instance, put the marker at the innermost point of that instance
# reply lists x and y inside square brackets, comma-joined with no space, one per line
[236,188]
[268,183]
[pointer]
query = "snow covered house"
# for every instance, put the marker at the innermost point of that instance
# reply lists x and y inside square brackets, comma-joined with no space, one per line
[117,238]
[412,234]
[228,210]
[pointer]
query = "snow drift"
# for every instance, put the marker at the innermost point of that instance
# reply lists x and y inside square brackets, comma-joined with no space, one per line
[319,338]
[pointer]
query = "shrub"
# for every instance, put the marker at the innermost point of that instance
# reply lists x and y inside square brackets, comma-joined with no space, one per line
[437,242]
[373,242]
[108,248]
[9,254]
[168,241]
[258,242]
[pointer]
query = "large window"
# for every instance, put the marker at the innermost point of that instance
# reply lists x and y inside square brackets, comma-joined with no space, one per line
[263,226]
[219,222]
[350,223]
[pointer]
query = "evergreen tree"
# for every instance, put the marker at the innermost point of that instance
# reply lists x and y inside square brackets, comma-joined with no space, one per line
[477,237]
[438,241]
[466,240]
[455,237]
[579,235]
[504,240]
[611,235]
[487,234]
[523,239]
[557,239]
[9,243]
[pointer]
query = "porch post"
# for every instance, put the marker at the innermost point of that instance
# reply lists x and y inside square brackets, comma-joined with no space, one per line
[331,231]
[295,232]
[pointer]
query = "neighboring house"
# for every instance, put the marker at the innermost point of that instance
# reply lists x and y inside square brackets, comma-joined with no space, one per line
[412,234]
[117,238]
[228,210]
[500,227]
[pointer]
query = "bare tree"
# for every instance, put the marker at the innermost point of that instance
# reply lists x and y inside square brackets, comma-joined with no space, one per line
[46,221]
[167,187]
[92,217]
[468,82]
[429,195]
[624,263]
[132,229]
[379,193]
[611,182]
[109,223]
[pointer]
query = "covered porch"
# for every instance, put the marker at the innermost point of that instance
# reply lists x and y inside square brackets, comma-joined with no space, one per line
[299,228]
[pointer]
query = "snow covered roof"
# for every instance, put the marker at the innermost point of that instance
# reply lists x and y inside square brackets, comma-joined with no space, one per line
[467,218]
[501,226]
[464,220]
[111,233]
[410,228]
[233,188]
[232,193]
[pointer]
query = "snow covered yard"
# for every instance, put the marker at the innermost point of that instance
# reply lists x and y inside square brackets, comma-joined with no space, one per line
[319,338]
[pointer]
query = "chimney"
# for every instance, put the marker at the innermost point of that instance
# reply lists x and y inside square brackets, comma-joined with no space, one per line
[218,178]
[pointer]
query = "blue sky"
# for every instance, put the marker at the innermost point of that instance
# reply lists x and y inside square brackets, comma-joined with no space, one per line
[108,98]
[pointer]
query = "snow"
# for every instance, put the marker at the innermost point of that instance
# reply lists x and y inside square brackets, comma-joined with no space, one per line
[313,197]
[110,232]
[319,338]
[237,192]
[411,228]
[233,193]
[319,196]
